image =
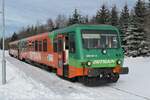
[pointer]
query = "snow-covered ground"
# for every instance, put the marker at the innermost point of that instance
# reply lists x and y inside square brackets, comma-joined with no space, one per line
[138,80]
[27,82]
[19,86]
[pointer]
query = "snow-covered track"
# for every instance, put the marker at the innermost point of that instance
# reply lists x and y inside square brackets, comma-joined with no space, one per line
[131,93]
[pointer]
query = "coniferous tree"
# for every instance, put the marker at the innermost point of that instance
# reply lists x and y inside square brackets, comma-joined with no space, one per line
[147,23]
[84,19]
[140,14]
[132,42]
[75,19]
[69,21]
[103,15]
[135,36]
[14,37]
[114,16]
[124,23]
[124,19]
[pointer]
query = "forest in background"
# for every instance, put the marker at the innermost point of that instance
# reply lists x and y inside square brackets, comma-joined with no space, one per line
[134,25]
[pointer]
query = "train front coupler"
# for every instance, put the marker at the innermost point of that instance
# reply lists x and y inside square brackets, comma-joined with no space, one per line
[121,70]
[124,70]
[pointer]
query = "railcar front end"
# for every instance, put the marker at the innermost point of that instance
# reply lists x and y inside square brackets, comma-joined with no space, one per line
[92,51]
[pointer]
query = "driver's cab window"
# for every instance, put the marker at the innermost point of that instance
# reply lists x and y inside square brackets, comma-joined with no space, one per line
[72,48]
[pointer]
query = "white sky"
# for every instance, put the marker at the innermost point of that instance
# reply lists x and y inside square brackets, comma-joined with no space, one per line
[20,13]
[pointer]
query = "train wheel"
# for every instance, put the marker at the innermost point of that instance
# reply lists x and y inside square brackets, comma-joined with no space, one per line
[83,79]
[114,77]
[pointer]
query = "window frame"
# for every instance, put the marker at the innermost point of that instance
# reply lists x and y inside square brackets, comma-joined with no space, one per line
[55,45]
[36,45]
[40,46]
[33,45]
[44,45]
[70,42]
[113,32]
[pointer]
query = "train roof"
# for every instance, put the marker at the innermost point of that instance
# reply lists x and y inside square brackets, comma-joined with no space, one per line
[72,28]
[84,26]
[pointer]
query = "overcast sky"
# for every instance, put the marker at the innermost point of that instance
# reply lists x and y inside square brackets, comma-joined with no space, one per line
[20,13]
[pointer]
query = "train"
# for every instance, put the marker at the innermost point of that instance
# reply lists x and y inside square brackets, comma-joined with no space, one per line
[78,51]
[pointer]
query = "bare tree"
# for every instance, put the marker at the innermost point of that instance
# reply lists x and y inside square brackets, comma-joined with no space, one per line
[61,21]
[50,25]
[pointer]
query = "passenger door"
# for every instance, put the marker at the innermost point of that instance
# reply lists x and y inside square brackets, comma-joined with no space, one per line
[62,49]
[60,41]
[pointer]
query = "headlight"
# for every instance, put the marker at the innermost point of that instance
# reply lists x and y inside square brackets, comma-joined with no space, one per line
[104,51]
[89,63]
[119,62]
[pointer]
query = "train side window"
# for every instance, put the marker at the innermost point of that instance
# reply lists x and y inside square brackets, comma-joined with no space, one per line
[60,45]
[72,48]
[33,46]
[66,42]
[25,46]
[30,45]
[40,45]
[45,45]
[36,45]
[55,46]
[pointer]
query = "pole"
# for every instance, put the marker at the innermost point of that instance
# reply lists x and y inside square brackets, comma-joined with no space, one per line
[3,35]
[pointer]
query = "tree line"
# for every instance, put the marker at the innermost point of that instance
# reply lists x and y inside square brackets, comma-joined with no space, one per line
[134,26]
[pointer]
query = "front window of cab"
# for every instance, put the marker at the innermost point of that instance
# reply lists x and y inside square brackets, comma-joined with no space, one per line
[93,39]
